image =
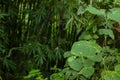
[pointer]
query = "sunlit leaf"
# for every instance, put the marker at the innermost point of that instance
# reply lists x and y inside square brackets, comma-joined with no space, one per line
[114,14]
[33,73]
[57,76]
[88,49]
[95,11]
[81,10]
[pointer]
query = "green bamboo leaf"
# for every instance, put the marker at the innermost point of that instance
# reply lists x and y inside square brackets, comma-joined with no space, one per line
[9,64]
[2,15]
[108,32]
[34,71]
[68,24]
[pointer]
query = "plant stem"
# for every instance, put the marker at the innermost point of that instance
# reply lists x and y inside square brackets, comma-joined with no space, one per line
[91,2]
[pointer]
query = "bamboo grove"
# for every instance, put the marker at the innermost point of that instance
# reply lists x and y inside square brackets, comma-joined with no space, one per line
[34,34]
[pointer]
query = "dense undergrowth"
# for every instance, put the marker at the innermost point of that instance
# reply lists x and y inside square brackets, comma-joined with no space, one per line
[59,40]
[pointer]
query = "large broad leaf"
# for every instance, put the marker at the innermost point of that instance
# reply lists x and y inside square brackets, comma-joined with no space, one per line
[88,49]
[88,63]
[114,14]
[96,57]
[108,32]
[75,63]
[95,11]
[87,71]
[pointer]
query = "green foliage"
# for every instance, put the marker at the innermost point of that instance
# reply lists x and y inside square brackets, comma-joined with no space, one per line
[34,74]
[110,75]
[57,76]
[84,55]
[73,63]
[86,49]
[87,71]
[9,64]
[114,14]
[108,32]
[95,11]
[79,37]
